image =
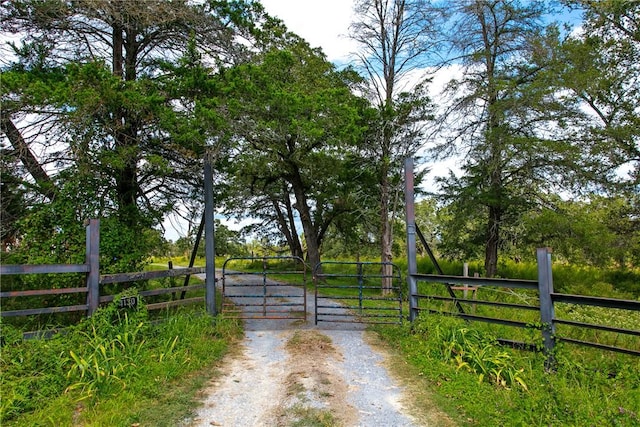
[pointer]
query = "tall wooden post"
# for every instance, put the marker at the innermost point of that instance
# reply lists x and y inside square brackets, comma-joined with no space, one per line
[209,237]
[545,288]
[410,215]
[92,258]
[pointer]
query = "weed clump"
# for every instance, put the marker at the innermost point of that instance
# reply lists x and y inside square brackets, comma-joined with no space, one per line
[471,350]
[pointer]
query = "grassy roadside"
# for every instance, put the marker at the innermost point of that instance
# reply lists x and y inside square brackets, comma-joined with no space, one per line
[115,369]
[477,383]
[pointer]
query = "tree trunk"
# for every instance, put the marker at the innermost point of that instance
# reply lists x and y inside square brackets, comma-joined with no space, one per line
[310,233]
[493,241]
[31,164]
[494,142]
[296,248]
[126,129]
[287,227]
[118,43]
[385,231]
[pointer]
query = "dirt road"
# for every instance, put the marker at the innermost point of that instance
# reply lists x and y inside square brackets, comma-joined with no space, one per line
[293,373]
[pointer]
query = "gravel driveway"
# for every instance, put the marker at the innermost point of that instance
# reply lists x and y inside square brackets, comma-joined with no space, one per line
[294,373]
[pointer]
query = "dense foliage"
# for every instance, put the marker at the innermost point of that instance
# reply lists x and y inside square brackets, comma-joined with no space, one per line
[108,110]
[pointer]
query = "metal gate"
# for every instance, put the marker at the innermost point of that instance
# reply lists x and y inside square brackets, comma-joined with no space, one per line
[351,292]
[252,288]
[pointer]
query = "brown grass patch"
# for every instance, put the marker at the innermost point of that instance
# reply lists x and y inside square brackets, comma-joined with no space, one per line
[309,342]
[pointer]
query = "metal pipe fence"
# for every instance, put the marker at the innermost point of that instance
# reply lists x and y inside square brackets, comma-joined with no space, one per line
[546,301]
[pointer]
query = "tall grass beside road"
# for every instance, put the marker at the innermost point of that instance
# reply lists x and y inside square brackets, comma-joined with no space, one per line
[116,368]
[479,383]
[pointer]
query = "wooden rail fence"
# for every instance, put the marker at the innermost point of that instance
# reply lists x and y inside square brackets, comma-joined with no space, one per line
[94,282]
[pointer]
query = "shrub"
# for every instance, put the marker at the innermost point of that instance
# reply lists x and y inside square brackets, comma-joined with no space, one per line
[469,349]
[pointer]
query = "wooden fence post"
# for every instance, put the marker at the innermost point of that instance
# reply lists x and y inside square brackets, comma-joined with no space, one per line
[412,262]
[545,288]
[93,260]
[172,280]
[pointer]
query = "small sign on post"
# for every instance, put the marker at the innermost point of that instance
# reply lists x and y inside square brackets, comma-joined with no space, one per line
[128,302]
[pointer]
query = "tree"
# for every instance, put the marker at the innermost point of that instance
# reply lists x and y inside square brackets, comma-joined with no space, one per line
[503,117]
[601,231]
[295,117]
[397,37]
[12,200]
[600,68]
[90,84]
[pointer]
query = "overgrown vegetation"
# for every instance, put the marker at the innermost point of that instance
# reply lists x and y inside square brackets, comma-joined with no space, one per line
[114,368]
[97,124]
[480,383]
[580,279]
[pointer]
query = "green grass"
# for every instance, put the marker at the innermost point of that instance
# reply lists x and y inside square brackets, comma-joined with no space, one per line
[458,362]
[116,368]
[310,417]
[567,278]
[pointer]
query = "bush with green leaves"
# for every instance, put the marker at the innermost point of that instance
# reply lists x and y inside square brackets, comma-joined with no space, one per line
[469,349]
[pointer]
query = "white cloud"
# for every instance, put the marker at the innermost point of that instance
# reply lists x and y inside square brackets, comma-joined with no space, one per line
[322,23]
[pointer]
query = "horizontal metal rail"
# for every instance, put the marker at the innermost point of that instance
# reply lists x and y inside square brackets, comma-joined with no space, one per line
[350,320]
[262,273]
[364,308]
[40,292]
[477,281]
[480,302]
[346,297]
[363,287]
[343,313]
[600,346]
[255,296]
[168,304]
[43,310]
[621,304]
[268,316]
[259,304]
[48,334]
[43,268]
[148,275]
[261,284]
[596,327]
[161,291]
[369,276]
[494,320]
